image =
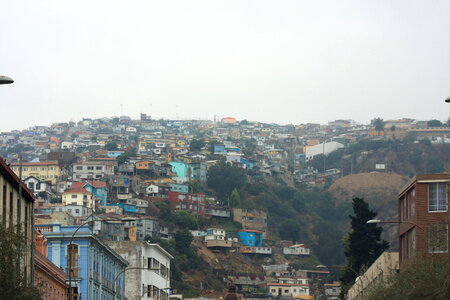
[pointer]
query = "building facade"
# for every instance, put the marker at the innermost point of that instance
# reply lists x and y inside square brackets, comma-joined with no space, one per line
[16,207]
[98,272]
[45,170]
[49,279]
[423,216]
[386,265]
[151,277]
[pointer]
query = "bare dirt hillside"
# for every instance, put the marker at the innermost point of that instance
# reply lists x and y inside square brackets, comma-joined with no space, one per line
[380,190]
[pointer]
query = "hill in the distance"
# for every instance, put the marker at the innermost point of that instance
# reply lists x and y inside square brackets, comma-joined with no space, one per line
[380,190]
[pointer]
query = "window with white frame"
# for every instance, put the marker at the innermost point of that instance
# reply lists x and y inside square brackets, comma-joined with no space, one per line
[437,197]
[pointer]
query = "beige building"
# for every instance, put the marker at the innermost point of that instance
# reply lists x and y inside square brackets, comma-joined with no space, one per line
[45,170]
[16,209]
[78,196]
[251,218]
[385,265]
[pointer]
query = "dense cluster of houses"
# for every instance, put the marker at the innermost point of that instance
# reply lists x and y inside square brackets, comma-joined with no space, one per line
[95,187]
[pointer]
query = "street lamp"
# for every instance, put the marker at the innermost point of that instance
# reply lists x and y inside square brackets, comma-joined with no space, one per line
[6,80]
[376,221]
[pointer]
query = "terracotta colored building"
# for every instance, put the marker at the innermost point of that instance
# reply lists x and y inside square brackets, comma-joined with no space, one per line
[48,279]
[423,216]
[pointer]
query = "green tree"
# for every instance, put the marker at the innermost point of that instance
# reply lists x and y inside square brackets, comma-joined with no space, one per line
[378,123]
[363,244]
[224,178]
[434,123]
[196,145]
[111,146]
[183,240]
[126,156]
[184,219]
[289,229]
[235,199]
[13,283]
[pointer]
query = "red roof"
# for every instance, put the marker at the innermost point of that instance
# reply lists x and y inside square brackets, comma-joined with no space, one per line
[77,191]
[96,184]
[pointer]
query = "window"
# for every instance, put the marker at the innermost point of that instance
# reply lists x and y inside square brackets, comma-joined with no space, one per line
[4,205]
[90,168]
[73,196]
[437,197]
[98,168]
[438,238]
[25,169]
[11,209]
[79,168]
[411,242]
[72,258]
[42,169]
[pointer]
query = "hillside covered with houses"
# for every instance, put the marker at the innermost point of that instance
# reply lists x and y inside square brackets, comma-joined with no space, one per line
[229,202]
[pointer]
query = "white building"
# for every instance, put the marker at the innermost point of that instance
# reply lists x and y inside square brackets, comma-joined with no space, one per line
[152,279]
[292,290]
[324,148]
[299,249]
[215,234]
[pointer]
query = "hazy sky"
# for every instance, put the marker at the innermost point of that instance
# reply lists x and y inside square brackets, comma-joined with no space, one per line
[272,61]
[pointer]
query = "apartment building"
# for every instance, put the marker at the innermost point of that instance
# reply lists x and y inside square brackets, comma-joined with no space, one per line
[44,170]
[16,209]
[423,216]
[150,278]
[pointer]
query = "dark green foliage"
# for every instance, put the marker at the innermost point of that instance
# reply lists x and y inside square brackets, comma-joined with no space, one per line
[196,145]
[378,123]
[235,199]
[434,165]
[363,245]
[434,123]
[185,219]
[223,178]
[165,212]
[13,284]
[111,146]
[126,156]
[290,229]
[426,278]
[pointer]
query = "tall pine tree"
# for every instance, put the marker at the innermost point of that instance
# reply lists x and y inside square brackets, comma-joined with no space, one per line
[363,244]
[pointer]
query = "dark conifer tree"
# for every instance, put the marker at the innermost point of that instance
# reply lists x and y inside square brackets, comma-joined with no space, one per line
[363,244]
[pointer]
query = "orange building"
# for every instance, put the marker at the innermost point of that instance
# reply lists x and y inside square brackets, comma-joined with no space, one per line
[48,279]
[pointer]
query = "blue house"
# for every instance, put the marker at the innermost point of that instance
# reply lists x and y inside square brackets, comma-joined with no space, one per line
[98,272]
[126,208]
[114,154]
[219,149]
[252,238]
[180,188]
[182,169]
[98,189]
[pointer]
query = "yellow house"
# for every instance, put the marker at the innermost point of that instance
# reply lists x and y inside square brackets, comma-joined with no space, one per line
[44,170]
[78,196]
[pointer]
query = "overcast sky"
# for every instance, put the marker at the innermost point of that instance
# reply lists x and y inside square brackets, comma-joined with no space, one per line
[271,61]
